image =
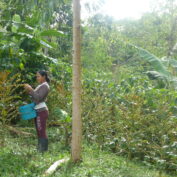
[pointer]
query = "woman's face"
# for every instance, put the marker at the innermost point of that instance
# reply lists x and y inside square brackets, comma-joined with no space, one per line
[40,79]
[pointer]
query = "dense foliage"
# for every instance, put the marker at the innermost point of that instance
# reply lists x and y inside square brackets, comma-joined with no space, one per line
[9,100]
[132,119]
[129,75]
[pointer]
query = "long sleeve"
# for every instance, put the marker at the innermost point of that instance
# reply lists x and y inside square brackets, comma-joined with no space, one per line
[40,95]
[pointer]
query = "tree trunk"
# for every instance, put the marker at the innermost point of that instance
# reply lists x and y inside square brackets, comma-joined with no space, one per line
[76,90]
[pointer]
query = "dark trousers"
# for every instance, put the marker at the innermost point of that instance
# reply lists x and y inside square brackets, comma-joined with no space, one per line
[40,123]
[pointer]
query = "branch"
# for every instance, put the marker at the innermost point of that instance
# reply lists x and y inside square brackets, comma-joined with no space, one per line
[18,132]
[55,166]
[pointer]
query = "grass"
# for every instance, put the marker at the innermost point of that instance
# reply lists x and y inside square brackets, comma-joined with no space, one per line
[18,158]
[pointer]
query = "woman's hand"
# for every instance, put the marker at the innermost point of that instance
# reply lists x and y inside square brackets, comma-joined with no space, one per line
[28,87]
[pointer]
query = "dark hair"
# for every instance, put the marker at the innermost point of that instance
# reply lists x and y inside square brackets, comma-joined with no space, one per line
[44,74]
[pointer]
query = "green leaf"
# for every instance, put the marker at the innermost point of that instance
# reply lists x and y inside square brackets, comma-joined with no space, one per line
[16,18]
[23,35]
[53,45]
[45,44]
[52,32]
[53,60]
[21,66]
[24,28]
[14,29]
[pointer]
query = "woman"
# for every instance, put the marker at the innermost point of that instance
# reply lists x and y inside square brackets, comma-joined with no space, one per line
[39,96]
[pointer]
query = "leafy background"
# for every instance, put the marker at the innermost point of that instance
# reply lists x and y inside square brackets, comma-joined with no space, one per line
[129,75]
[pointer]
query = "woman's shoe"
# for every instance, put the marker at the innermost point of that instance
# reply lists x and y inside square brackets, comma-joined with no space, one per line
[43,144]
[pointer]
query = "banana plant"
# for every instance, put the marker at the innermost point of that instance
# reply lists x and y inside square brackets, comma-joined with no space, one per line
[160,66]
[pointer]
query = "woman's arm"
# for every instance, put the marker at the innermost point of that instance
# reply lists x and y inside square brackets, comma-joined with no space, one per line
[28,87]
[40,95]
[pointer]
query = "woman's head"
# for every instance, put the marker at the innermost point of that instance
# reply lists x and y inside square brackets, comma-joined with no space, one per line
[42,76]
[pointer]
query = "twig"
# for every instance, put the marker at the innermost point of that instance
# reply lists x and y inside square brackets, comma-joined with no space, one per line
[18,132]
[54,124]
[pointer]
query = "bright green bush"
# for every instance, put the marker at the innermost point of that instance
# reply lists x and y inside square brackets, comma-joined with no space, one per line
[132,119]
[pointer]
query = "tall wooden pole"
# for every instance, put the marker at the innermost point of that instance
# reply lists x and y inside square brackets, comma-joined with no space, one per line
[76,90]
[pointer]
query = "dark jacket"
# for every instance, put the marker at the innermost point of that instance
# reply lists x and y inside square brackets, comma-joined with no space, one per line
[40,94]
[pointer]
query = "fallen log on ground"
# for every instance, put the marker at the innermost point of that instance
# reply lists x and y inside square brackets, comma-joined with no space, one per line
[53,167]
